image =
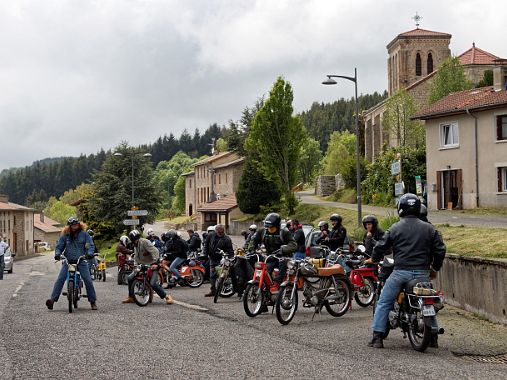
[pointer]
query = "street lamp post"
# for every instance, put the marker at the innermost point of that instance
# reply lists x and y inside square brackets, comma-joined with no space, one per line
[330,81]
[118,154]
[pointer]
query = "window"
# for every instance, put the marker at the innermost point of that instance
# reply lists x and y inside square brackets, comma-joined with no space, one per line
[501,127]
[502,180]
[449,135]
[418,70]
[190,183]
[430,63]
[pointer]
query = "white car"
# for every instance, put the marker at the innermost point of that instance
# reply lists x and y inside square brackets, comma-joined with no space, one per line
[8,260]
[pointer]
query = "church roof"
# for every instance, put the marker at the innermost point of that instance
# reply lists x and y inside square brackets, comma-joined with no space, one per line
[476,56]
[419,33]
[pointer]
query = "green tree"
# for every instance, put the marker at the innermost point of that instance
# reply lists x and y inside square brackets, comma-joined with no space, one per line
[178,205]
[399,109]
[309,158]
[59,210]
[450,77]
[341,146]
[277,136]
[487,79]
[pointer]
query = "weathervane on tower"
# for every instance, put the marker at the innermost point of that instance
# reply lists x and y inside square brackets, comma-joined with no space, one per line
[417,19]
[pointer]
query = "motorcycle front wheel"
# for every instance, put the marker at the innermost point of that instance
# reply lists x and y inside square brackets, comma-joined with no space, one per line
[286,304]
[365,295]
[339,302]
[141,292]
[253,299]
[419,332]
[103,275]
[197,278]
[70,294]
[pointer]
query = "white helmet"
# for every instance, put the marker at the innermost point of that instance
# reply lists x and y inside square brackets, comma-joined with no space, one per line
[253,227]
[211,229]
[150,232]
[124,240]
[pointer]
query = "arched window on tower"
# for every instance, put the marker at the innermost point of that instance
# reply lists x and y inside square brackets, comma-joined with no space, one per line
[418,70]
[430,63]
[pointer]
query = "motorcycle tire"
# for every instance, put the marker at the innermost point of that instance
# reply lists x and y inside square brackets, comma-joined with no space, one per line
[253,297]
[420,340]
[103,275]
[70,294]
[218,289]
[119,280]
[344,288]
[141,292]
[365,295]
[227,289]
[76,298]
[286,304]
[197,279]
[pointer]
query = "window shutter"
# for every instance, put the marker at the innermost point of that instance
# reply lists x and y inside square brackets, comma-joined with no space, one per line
[459,184]
[499,180]
[439,189]
[499,128]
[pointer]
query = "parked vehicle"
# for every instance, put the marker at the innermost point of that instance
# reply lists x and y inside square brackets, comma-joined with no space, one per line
[9,260]
[325,284]
[413,309]
[191,270]
[315,250]
[125,267]
[99,268]
[224,286]
[42,246]
[143,292]
[74,283]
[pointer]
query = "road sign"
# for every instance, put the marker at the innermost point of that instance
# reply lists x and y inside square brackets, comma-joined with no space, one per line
[395,168]
[398,188]
[137,212]
[418,185]
[131,222]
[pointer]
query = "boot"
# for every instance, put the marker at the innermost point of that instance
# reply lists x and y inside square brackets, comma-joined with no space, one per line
[128,300]
[377,341]
[210,294]
[50,303]
[168,299]
[264,309]
[93,305]
[434,341]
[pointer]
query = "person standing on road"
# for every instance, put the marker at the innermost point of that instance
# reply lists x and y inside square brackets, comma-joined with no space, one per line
[194,241]
[299,237]
[373,233]
[145,253]
[3,249]
[418,253]
[73,244]
[215,241]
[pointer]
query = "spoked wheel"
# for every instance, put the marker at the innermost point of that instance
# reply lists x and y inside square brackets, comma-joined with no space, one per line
[141,292]
[366,293]
[218,289]
[286,304]
[197,278]
[120,280]
[419,332]
[103,275]
[76,298]
[70,294]
[338,303]
[253,298]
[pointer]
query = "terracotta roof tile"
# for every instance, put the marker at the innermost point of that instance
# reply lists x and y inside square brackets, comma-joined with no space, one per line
[8,206]
[476,56]
[45,226]
[213,158]
[459,102]
[223,204]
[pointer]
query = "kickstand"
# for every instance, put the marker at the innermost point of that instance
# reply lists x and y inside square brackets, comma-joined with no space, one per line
[317,310]
[272,309]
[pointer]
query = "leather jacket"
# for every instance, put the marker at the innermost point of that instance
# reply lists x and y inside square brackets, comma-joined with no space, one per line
[416,245]
[369,242]
[214,242]
[273,242]
[299,237]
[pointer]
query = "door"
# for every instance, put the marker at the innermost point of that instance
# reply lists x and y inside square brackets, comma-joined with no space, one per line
[450,189]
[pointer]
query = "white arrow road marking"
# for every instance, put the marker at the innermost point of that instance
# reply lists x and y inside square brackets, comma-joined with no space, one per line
[190,306]
[35,273]
[15,294]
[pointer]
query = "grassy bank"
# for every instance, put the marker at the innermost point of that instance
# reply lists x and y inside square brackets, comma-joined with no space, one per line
[462,240]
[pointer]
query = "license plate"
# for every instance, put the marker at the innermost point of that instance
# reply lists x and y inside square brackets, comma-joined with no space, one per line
[428,311]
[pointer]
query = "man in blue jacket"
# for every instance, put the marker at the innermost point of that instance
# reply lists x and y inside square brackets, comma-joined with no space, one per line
[74,243]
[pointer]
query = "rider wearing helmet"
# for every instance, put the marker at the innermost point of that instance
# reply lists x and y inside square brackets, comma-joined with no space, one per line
[423,215]
[275,239]
[337,234]
[74,243]
[217,241]
[155,240]
[373,233]
[92,261]
[177,248]
[323,238]
[418,250]
[123,249]
[251,232]
[145,253]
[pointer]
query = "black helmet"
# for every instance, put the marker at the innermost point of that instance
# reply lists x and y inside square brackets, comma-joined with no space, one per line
[409,204]
[370,219]
[171,234]
[90,232]
[324,224]
[272,220]
[72,220]
[336,217]
[134,235]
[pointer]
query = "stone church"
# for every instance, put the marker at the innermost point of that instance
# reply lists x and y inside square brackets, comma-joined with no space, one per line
[413,58]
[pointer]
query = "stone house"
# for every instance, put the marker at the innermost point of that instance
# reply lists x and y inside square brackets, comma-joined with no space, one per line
[17,225]
[466,147]
[210,189]
[46,229]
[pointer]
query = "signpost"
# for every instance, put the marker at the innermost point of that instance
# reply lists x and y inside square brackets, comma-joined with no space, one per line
[131,222]
[395,168]
[418,185]
[137,212]
[399,189]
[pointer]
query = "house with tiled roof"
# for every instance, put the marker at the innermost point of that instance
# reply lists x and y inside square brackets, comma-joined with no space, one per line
[46,229]
[16,225]
[210,189]
[466,147]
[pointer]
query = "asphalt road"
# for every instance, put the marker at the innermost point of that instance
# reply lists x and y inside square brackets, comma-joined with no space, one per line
[195,338]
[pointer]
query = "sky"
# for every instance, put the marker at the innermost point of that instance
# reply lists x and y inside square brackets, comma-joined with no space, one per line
[77,76]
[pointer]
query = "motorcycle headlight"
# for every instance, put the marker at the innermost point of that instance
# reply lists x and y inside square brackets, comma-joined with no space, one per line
[222,262]
[290,264]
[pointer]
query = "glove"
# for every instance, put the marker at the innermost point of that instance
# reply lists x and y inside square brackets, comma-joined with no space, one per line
[369,261]
[89,256]
[433,274]
[57,257]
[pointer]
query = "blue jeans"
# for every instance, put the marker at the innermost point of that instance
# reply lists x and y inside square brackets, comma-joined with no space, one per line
[298,255]
[174,267]
[391,289]
[153,282]
[84,270]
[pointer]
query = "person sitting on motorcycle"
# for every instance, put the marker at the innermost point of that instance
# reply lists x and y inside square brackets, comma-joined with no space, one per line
[373,233]
[251,232]
[145,253]
[74,243]
[177,248]
[275,239]
[423,215]
[418,253]
[194,242]
[92,262]
[299,237]
[338,233]
[206,233]
[323,238]
[123,249]
[155,240]
[217,240]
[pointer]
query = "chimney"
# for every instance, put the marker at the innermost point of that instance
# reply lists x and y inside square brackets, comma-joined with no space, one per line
[500,74]
[42,216]
[4,198]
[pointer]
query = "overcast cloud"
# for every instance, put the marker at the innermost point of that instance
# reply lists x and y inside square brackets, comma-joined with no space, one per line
[77,76]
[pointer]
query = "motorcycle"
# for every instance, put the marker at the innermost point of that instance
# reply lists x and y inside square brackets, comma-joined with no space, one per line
[125,267]
[191,270]
[224,286]
[325,284]
[99,268]
[142,289]
[413,310]
[74,283]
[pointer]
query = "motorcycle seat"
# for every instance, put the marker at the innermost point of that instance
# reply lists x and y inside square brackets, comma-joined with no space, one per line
[409,286]
[329,271]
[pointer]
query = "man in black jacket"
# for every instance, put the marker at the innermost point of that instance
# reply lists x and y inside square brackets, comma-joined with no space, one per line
[299,237]
[337,234]
[373,233]
[216,241]
[194,242]
[177,248]
[418,253]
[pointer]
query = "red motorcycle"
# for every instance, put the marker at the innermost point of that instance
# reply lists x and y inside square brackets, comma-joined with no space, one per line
[143,292]
[125,267]
[191,270]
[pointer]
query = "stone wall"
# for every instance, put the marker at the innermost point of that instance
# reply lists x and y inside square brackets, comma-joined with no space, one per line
[325,185]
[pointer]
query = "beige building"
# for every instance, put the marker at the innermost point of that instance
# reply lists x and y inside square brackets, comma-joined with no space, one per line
[46,229]
[16,224]
[466,147]
[210,189]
